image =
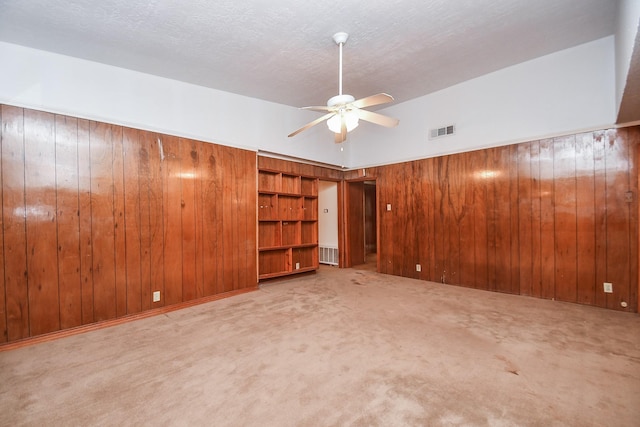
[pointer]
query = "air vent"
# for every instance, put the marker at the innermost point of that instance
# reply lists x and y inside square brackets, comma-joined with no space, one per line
[443,131]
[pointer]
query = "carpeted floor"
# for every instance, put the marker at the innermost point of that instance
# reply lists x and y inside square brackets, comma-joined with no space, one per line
[341,347]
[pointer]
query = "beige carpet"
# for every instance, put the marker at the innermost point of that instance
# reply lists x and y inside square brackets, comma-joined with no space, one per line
[341,347]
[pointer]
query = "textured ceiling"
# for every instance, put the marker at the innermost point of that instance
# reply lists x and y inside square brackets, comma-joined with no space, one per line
[282,51]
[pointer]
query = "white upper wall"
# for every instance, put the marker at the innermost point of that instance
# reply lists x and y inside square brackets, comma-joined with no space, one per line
[627,28]
[61,84]
[564,92]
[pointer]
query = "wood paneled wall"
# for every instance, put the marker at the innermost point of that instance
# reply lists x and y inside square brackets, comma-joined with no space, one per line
[96,217]
[553,218]
[296,168]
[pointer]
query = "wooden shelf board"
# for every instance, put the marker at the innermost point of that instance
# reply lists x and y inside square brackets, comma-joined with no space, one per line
[279,248]
[286,273]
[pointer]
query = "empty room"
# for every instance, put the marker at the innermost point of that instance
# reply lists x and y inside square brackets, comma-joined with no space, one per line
[341,213]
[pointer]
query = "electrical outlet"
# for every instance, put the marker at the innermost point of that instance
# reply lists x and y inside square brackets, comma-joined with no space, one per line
[608,288]
[297,266]
[388,206]
[156,296]
[418,267]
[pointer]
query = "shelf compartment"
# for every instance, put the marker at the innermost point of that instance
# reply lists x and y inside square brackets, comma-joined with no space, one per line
[305,258]
[291,233]
[308,186]
[310,208]
[290,184]
[274,263]
[309,233]
[269,181]
[268,206]
[270,234]
[290,208]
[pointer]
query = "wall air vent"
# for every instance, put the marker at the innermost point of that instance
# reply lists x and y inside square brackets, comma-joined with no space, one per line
[442,131]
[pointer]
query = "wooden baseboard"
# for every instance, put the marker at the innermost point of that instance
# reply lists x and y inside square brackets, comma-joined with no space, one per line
[118,321]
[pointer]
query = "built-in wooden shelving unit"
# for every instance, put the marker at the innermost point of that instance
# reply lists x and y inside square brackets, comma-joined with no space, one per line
[287,224]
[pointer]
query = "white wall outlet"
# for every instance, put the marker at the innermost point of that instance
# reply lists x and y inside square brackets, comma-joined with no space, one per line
[388,206]
[608,288]
[418,267]
[156,296]
[297,266]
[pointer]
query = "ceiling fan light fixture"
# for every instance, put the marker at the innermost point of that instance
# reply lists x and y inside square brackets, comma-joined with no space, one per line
[343,111]
[350,118]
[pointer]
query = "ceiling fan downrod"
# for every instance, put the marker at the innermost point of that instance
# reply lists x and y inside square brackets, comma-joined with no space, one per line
[340,39]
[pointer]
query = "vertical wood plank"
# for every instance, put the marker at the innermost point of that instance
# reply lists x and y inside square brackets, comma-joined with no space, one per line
[40,196]
[454,214]
[536,224]
[479,167]
[131,188]
[440,220]
[467,237]
[585,219]
[514,216]
[172,219]
[119,229]
[68,221]
[600,202]
[14,223]
[422,232]
[189,168]
[547,223]
[102,221]
[212,219]
[156,210]
[240,219]
[229,219]
[430,198]
[199,212]
[147,140]
[618,218]
[386,223]
[525,217]
[85,219]
[564,168]
[502,217]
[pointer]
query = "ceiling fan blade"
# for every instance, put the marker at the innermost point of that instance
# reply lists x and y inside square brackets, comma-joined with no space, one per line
[376,118]
[313,123]
[381,98]
[318,108]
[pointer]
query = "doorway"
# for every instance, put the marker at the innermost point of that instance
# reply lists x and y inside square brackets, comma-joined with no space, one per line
[328,222]
[361,224]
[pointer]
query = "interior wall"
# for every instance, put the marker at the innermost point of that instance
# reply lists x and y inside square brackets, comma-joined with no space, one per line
[328,221]
[96,217]
[61,84]
[551,218]
[565,92]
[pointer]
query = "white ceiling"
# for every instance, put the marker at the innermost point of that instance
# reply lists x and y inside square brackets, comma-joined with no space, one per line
[282,50]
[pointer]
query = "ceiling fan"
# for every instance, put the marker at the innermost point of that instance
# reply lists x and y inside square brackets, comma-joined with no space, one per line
[344,110]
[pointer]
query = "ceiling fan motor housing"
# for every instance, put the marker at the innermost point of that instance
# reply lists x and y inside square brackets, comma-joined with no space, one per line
[340,100]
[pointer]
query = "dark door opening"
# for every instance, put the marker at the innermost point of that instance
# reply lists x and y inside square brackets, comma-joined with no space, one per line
[361,223]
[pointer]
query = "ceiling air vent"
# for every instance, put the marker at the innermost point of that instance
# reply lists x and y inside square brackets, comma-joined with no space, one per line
[443,131]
